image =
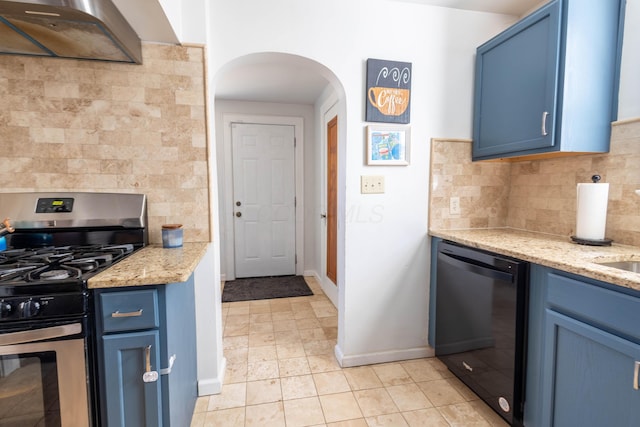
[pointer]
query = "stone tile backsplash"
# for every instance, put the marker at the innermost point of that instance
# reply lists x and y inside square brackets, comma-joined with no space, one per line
[72,125]
[536,195]
[483,188]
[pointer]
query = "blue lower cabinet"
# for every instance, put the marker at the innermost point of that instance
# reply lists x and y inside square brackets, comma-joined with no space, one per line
[141,329]
[128,399]
[583,358]
[178,358]
[591,376]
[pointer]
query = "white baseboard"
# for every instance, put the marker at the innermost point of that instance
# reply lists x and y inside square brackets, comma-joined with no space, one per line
[210,386]
[382,357]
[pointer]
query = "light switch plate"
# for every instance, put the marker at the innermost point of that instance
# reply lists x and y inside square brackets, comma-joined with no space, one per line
[371,184]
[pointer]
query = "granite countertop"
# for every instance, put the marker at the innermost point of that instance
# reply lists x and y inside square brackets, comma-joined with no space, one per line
[552,251]
[151,265]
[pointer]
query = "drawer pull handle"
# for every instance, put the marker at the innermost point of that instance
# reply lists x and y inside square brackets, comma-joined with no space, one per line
[636,371]
[544,123]
[129,314]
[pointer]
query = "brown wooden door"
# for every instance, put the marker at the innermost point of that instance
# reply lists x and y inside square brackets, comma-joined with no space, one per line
[332,200]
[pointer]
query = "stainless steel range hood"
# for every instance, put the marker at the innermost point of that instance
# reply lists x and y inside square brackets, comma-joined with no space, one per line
[81,29]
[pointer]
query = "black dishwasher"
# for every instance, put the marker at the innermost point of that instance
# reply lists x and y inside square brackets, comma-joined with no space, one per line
[481,324]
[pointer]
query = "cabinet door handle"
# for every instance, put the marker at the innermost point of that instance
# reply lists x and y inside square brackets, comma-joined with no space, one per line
[148,376]
[147,354]
[129,314]
[636,371]
[544,123]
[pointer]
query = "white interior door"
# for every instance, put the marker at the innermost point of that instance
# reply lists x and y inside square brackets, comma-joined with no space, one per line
[264,199]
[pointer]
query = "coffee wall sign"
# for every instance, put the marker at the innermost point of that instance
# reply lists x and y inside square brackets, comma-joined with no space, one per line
[388,91]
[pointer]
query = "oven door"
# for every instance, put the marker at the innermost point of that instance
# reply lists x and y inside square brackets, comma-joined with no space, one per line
[43,377]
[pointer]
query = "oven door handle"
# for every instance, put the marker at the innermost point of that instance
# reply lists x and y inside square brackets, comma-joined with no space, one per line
[34,335]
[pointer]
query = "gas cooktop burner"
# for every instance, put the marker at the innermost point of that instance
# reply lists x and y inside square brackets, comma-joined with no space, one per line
[55,275]
[65,263]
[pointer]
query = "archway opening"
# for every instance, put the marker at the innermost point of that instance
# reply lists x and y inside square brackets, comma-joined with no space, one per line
[282,89]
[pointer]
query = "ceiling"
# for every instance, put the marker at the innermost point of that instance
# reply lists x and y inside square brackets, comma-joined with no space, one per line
[507,7]
[271,77]
[264,78]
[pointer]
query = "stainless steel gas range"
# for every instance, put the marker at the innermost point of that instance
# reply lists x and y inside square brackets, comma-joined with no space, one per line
[47,344]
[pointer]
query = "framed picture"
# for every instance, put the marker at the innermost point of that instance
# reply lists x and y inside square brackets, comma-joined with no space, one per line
[388,145]
[388,96]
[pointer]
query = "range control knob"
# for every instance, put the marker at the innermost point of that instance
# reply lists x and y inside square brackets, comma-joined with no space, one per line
[5,309]
[29,308]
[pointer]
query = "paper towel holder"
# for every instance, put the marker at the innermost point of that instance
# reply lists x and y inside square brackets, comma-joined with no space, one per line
[590,242]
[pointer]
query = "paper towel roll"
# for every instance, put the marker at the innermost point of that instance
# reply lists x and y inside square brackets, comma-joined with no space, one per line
[591,210]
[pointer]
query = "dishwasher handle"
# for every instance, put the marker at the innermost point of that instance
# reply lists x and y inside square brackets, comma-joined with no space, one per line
[468,264]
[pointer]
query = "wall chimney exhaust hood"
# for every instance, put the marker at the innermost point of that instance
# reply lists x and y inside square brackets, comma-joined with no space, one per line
[81,29]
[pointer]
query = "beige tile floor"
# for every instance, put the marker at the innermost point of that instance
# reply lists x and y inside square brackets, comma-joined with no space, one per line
[281,372]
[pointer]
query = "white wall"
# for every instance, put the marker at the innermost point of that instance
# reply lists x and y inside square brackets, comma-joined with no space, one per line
[210,359]
[386,242]
[629,97]
[384,277]
[187,19]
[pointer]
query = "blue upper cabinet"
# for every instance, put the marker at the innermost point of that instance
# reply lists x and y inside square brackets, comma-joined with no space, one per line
[549,83]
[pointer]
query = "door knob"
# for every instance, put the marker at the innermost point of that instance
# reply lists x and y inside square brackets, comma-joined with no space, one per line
[238,214]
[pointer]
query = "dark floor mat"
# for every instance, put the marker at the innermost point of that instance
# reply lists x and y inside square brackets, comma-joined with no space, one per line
[257,288]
